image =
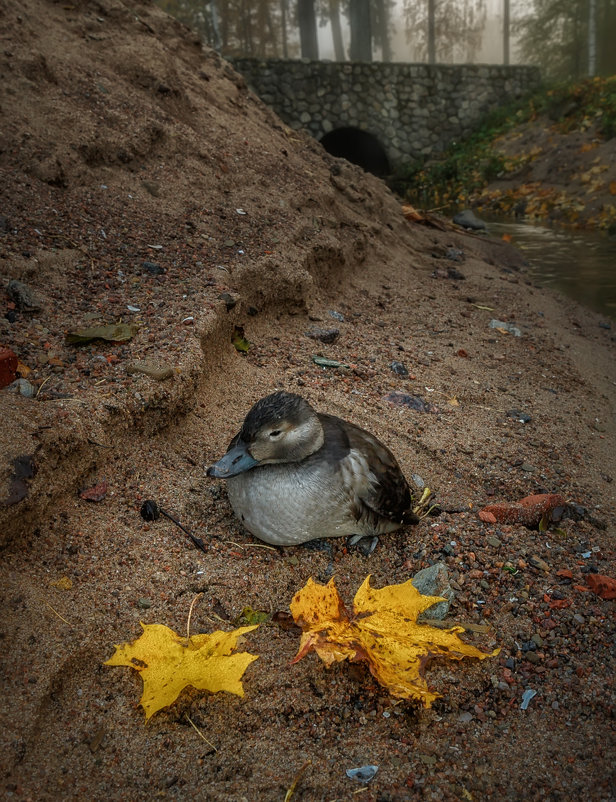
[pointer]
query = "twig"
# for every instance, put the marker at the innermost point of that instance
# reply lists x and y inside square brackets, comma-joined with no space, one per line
[259,546]
[251,545]
[199,733]
[298,777]
[41,385]
[197,542]
[192,604]
[57,613]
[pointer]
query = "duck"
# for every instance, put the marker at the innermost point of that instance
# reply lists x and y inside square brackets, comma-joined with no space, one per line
[295,475]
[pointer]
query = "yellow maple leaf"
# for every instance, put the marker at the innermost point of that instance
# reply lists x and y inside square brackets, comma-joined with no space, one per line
[168,663]
[382,630]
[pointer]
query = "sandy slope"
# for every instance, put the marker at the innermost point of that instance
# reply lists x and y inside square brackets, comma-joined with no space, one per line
[119,134]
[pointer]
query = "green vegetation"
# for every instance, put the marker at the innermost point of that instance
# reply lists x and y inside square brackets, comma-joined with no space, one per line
[469,166]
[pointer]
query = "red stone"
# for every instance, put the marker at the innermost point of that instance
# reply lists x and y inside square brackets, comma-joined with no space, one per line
[566,573]
[528,511]
[602,585]
[8,366]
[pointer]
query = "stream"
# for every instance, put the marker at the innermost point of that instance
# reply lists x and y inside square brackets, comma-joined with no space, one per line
[582,264]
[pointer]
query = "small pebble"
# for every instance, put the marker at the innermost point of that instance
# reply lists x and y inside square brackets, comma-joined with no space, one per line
[532,657]
[538,563]
[399,368]
[153,268]
[493,541]
[523,417]
[144,603]
[327,336]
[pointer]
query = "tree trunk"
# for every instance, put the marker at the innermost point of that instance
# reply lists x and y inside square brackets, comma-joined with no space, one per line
[361,31]
[431,32]
[283,26]
[334,16]
[308,29]
[592,37]
[506,30]
[383,23]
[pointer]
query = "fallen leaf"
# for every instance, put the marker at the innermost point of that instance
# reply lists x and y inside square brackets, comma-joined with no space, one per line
[23,370]
[64,583]
[95,493]
[323,362]
[411,213]
[168,663]
[382,630]
[240,343]
[117,333]
[252,617]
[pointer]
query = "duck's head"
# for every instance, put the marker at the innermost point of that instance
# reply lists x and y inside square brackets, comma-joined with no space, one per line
[282,427]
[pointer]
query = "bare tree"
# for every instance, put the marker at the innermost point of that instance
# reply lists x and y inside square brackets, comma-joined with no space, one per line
[506,31]
[381,10]
[307,20]
[333,14]
[361,30]
[439,30]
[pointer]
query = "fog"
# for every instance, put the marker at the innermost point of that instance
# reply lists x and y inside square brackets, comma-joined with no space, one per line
[490,51]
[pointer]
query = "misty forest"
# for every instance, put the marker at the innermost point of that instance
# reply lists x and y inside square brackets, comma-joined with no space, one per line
[568,40]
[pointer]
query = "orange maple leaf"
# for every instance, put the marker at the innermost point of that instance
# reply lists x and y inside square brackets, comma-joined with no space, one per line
[382,630]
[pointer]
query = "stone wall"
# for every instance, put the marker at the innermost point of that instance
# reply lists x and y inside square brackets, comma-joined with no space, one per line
[414,110]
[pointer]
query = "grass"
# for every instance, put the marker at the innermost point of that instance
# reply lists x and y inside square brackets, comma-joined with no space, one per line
[469,165]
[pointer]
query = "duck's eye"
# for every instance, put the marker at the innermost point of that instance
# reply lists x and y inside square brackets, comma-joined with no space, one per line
[276,433]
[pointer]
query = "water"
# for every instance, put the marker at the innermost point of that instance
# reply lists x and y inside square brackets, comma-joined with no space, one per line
[581,264]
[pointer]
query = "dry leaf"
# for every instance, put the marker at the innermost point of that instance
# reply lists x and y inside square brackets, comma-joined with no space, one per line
[240,343]
[411,213]
[115,332]
[382,630]
[64,583]
[168,663]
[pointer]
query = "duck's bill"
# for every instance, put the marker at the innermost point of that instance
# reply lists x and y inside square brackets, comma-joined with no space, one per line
[235,461]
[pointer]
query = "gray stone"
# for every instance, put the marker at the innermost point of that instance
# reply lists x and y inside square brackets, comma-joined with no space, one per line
[434,581]
[323,335]
[468,219]
[23,387]
[24,297]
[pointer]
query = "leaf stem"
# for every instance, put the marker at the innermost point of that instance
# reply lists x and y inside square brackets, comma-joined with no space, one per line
[198,731]
[192,604]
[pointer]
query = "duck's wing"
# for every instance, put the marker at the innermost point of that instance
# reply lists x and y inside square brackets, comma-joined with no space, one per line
[379,483]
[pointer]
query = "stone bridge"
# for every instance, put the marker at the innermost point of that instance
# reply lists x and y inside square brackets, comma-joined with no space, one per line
[383,115]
